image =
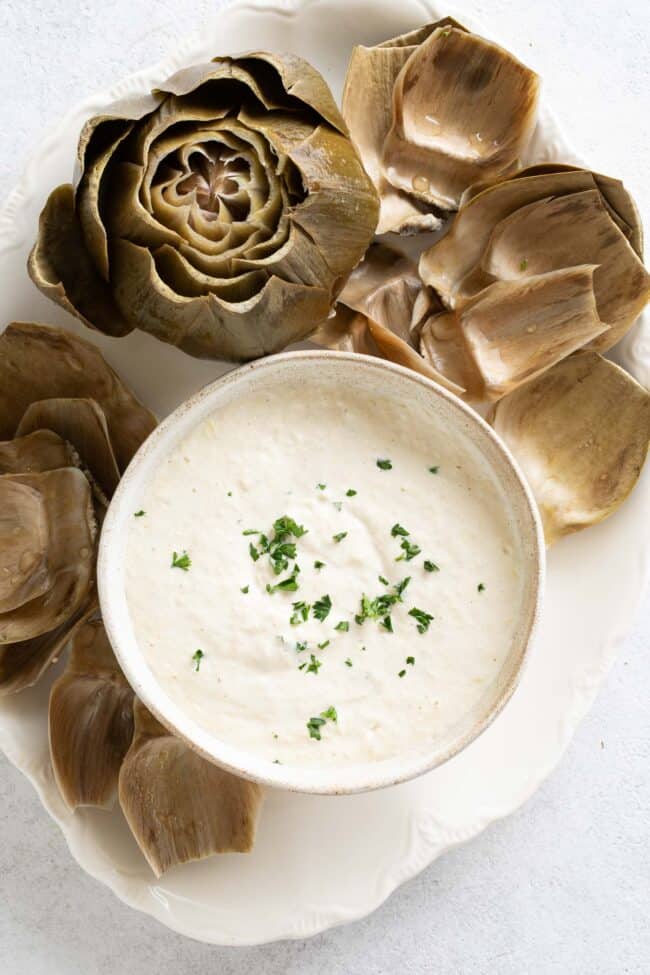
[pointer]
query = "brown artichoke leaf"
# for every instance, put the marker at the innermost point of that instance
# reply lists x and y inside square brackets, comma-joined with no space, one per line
[442,345]
[24,537]
[580,433]
[279,313]
[179,806]
[42,450]
[448,260]
[384,286]
[463,110]
[552,234]
[395,349]
[82,423]
[39,362]
[90,720]
[63,507]
[22,664]
[515,330]
[60,266]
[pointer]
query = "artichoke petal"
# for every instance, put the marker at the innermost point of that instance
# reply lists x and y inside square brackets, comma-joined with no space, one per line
[463,109]
[82,423]
[24,536]
[384,286]
[61,267]
[179,806]
[64,505]
[90,720]
[515,330]
[42,450]
[60,364]
[581,433]
[441,343]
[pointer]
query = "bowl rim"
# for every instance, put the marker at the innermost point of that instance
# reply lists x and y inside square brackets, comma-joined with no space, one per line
[112,599]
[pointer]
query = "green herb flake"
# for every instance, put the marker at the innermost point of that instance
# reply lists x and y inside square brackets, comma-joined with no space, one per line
[138,514]
[252,531]
[384,465]
[401,673]
[318,564]
[321,487]
[398,530]
[523,264]
[339,537]
[325,643]
[314,665]
[343,626]
[245,590]
[330,714]
[348,662]
[181,561]
[401,586]
[409,550]
[423,619]
[197,657]
[252,551]
[314,726]
[301,646]
[411,661]
[480,587]
[434,470]
[300,613]
[350,493]
[276,761]
[290,584]
[230,494]
[387,624]
[384,581]
[431,566]
[322,607]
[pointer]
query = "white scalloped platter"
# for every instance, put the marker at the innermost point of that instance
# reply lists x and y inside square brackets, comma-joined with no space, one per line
[325,861]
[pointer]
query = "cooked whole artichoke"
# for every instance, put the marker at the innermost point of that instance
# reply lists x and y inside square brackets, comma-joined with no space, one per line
[221,214]
[433,112]
[69,426]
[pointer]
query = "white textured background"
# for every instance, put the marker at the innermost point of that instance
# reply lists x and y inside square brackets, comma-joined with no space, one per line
[561,887]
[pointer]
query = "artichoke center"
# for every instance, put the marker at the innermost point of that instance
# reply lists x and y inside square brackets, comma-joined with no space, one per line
[217,177]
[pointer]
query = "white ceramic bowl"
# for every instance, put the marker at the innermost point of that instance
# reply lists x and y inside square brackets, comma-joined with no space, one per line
[317,367]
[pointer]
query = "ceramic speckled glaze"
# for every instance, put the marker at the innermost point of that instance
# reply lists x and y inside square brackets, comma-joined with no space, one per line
[370,843]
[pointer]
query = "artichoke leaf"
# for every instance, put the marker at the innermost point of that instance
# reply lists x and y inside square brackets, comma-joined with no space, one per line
[442,345]
[42,450]
[384,286]
[23,664]
[90,720]
[59,364]
[179,806]
[515,330]
[463,109]
[552,234]
[580,433]
[24,536]
[65,508]
[82,423]
[60,266]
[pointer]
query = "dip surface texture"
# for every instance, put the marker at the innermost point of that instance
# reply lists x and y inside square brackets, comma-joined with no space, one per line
[404,608]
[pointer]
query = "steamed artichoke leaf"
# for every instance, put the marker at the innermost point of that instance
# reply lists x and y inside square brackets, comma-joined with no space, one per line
[515,330]
[24,537]
[560,233]
[395,349]
[384,286]
[580,433]
[66,506]
[179,806]
[463,109]
[59,363]
[90,720]
[42,450]
[22,664]
[81,423]
[449,259]
[60,266]
[187,281]
[442,345]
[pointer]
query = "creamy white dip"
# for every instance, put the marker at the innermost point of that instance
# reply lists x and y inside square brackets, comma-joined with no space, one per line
[342,689]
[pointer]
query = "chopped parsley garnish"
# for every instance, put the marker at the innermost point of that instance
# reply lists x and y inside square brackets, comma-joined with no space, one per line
[287,526]
[523,264]
[409,550]
[319,565]
[350,493]
[314,726]
[410,660]
[230,494]
[398,530]
[401,586]
[254,554]
[181,561]
[312,666]
[339,537]
[401,673]
[300,613]
[322,607]
[434,470]
[330,714]
[138,514]
[480,587]
[325,643]
[384,465]
[245,589]
[348,662]
[252,531]
[197,657]
[301,646]
[387,624]
[384,581]
[423,619]
[290,584]
[279,546]
[276,761]
[343,626]
[431,566]
[321,487]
